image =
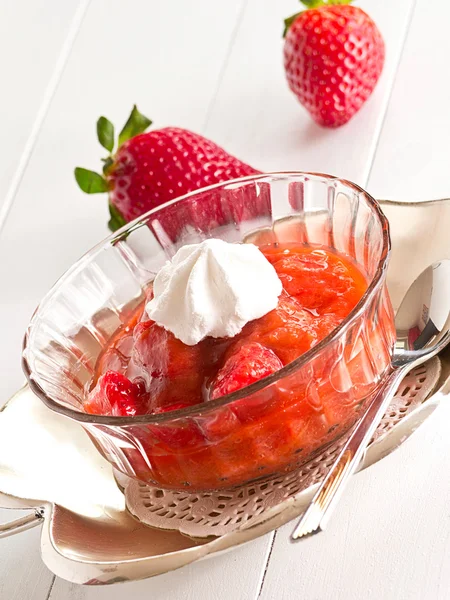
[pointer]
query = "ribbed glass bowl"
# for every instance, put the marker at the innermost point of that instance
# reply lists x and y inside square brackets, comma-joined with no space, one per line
[323,392]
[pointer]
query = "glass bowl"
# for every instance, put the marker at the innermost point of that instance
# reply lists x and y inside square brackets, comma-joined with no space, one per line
[273,425]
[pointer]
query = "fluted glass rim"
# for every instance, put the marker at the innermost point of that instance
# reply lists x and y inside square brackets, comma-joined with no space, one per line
[200,409]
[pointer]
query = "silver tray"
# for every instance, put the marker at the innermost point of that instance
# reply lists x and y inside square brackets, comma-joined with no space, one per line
[115,547]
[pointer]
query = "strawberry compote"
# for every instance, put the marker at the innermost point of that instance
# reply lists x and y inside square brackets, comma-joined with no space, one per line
[146,370]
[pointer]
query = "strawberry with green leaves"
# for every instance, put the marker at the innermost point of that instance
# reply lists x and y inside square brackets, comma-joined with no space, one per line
[333,58]
[150,168]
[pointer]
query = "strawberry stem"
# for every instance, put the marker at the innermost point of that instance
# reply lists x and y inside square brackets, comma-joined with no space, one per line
[317,3]
[108,163]
[311,4]
[116,221]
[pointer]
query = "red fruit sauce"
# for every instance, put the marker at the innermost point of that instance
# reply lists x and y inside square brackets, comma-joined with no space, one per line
[146,370]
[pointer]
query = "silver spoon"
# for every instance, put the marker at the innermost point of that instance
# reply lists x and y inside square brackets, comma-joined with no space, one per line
[423,329]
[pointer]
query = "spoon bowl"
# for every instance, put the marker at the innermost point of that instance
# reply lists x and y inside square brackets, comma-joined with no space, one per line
[422,320]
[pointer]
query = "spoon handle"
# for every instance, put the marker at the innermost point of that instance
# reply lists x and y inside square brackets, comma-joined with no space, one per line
[327,496]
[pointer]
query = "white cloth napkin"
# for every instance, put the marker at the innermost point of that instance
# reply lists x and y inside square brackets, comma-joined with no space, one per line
[48,457]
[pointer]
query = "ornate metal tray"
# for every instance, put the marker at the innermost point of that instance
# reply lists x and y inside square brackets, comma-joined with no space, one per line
[97,541]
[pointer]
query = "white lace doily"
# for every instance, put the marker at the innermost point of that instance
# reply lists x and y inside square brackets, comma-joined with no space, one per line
[216,513]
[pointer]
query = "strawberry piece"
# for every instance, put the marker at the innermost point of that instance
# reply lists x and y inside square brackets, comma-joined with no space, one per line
[161,353]
[163,409]
[116,395]
[181,433]
[289,330]
[333,58]
[320,281]
[247,364]
[169,367]
[149,169]
[218,423]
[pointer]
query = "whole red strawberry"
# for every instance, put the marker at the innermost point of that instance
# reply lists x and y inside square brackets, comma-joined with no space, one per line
[149,169]
[333,56]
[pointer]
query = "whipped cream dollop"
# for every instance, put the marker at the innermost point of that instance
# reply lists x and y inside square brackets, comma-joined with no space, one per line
[213,289]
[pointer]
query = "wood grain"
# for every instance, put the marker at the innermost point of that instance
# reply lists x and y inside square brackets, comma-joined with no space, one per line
[33,36]
[412,161]
[389,537]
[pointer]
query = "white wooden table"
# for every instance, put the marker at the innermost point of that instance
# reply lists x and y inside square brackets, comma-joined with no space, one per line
[215,67]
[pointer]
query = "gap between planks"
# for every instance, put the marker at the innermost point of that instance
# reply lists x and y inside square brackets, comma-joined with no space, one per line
[43,109]
[50,589]
[35,130]
[384,110]
[223,68]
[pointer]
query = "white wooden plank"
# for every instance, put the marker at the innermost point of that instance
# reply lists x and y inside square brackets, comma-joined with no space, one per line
[389,537]
[32,35]
[32,38]
[22,573]
[257,117]
[412,161]
[169,62]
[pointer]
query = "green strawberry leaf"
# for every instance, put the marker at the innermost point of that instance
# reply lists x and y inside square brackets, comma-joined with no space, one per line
[137,123]
[288,22]
[311,4]
[116,221]
[90,182]
[317,3]
[105,133]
